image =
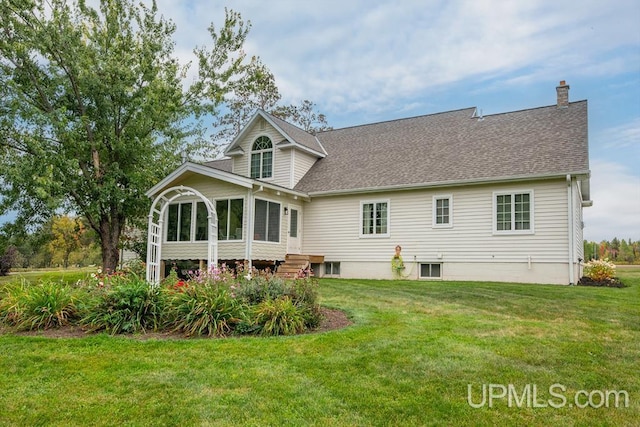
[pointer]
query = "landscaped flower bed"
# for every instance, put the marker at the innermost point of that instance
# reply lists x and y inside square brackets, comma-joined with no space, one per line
[600,273]
[216,303]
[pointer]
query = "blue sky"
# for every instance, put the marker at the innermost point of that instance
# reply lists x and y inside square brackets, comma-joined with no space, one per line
[364,61]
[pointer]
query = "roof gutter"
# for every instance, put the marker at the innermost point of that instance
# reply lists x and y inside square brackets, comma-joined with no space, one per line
[441,184]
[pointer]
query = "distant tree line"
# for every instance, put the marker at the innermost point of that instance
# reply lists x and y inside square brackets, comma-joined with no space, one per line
[620,251]
[63,241]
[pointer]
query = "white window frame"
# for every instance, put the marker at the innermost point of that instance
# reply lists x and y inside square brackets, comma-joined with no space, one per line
[271,150]
[192,229]
[244,213]
[429,277]
[267,223]
[333,264]
[448,197]
[513,193]
[375,235]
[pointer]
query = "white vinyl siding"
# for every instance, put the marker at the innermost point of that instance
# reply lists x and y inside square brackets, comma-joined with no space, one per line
[471,240]
[301,163]
[283,159]
[282,168]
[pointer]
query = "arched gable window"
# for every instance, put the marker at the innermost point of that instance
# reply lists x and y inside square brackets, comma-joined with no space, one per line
[262,158]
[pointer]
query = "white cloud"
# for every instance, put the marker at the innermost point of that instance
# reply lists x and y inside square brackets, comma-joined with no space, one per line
[366,56]
[624,136]
[615,192]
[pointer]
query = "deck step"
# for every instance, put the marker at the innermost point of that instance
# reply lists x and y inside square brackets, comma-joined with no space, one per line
[294,263]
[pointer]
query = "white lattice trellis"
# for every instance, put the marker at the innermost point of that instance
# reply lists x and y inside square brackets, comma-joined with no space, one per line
[156,225]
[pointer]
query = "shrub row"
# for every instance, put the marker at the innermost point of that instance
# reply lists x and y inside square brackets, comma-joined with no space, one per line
[219,302]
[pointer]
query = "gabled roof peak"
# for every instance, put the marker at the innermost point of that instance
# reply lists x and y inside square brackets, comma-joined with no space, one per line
[296,136]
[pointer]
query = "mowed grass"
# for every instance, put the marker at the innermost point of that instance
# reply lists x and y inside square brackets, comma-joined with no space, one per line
[407,360]
[70,275]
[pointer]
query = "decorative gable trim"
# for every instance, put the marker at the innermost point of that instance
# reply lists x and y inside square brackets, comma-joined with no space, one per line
[201,170]
[236,152]
[231,178]
[234,149]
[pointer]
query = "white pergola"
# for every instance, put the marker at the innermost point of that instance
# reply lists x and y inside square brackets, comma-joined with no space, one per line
[156,225]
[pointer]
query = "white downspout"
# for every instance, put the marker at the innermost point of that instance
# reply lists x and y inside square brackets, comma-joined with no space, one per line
[571,229]
[248,252]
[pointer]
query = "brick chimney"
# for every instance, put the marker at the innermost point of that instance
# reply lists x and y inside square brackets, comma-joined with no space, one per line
[563,94]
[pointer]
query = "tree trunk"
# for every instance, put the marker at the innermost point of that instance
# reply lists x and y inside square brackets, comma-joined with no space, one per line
[110,229]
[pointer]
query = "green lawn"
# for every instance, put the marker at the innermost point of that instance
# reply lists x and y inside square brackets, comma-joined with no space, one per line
[70,275]
[408,360]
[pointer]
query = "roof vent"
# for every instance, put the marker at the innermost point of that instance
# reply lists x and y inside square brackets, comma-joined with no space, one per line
[563,94]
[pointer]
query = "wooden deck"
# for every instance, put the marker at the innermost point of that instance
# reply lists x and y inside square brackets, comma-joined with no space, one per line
[293,263]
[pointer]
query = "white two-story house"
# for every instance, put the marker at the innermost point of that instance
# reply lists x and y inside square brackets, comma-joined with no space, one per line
[468,197]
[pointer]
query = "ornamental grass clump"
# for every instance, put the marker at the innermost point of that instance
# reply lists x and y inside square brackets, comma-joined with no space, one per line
[206,309]
[44,305]
[128,305]
[279,317]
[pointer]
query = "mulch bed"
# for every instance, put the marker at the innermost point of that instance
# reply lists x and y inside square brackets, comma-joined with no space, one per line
[608,283]
[332,319]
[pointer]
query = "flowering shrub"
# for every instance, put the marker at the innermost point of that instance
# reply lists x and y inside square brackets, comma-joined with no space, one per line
[600,270]
[217,302]
[212,276]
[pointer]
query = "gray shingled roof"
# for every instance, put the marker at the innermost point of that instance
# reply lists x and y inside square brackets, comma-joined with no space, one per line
[452,147]
[298,135]
[221,164]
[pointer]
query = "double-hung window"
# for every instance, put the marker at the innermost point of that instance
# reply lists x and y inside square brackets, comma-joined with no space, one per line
[230,215]
[187,222]
[262,158]
[266,221]
[513,212]
[375,218]
[443,211]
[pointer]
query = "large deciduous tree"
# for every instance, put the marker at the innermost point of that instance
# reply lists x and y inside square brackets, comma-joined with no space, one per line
[303,115]
[258,90]
[94,109]
[67,234]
